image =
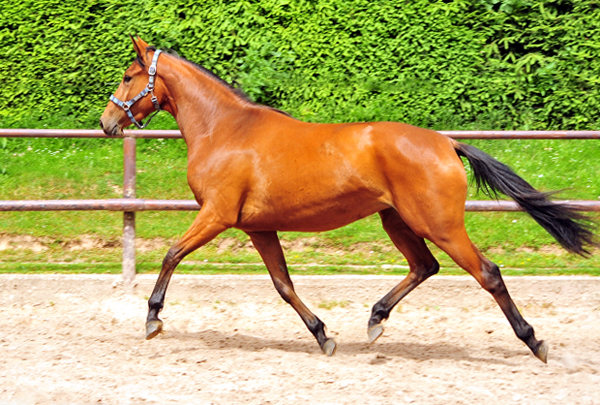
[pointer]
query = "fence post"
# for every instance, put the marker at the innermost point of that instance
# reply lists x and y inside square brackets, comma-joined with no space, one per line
[129,172]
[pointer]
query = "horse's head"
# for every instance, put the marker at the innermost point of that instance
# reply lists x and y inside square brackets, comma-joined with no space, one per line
[139,93]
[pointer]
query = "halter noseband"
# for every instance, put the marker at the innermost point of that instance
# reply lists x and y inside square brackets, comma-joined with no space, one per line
[126,105]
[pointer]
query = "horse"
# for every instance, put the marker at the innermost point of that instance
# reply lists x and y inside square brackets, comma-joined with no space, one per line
[258,169]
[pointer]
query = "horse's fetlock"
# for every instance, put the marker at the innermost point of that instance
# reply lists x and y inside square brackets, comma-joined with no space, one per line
[155,304]
[525,332]
[378,313]
[316,327]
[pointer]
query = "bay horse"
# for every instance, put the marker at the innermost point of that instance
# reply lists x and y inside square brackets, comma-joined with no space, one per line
[257,169]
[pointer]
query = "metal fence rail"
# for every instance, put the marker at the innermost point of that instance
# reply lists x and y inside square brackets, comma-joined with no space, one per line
[138,204]
[129,204]
[175,134]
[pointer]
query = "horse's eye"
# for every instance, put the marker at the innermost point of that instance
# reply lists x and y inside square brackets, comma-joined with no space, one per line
[127,79]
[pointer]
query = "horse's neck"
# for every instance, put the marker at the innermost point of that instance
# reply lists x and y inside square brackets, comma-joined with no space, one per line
[202,103]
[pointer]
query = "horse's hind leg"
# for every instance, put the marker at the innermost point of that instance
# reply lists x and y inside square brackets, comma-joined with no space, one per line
[460,248]
[422,266]
[268,246]
[202,231]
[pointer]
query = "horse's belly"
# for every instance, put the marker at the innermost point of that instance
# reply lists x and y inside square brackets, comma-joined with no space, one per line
[308,215]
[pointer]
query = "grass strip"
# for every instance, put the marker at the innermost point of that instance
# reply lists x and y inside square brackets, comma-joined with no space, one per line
[257,268]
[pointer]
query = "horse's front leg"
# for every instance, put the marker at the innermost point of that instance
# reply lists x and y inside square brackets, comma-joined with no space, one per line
[205,228]
[268,246]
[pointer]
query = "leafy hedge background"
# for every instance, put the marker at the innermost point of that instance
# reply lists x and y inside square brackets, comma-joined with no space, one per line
[487,64]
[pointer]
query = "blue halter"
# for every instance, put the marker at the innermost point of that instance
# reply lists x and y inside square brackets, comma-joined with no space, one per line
[126,105]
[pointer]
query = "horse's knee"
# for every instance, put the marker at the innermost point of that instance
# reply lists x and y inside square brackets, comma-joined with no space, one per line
[285,291]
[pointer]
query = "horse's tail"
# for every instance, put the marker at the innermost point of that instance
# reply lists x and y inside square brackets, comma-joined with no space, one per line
[570,228]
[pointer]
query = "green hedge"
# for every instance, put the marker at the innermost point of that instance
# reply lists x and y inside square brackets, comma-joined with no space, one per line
[441,64]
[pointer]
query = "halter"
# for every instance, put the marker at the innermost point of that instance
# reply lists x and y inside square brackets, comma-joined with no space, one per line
[126,105]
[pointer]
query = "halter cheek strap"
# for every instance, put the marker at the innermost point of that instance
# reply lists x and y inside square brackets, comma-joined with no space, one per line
[126,105]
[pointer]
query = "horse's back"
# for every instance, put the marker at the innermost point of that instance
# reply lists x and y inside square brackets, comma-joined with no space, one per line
[395,153]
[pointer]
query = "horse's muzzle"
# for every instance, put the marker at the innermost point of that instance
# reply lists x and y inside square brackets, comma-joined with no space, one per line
[111,129]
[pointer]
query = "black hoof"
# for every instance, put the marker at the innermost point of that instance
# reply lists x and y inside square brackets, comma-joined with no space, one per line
[542,352]
[153,328]
[375,332]
[329,347]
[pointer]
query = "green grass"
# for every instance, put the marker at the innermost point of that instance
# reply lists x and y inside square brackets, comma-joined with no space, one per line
[91,169]
[256,268]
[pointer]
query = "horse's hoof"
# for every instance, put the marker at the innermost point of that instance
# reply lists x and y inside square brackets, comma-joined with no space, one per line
[329,347]
[375,332]
[153,328]
[542,352]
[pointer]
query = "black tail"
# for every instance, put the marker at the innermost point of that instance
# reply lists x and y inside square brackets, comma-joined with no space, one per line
[566,225]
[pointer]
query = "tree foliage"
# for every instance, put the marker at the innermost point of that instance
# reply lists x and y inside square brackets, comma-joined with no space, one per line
[443,64]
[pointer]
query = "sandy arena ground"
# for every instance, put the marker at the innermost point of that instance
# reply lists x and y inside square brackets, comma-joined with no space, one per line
[232,340]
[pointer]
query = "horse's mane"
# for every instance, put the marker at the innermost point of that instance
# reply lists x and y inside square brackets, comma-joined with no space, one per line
[237,91]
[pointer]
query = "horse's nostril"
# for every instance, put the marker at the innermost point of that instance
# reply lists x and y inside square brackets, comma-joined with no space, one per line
[101,125]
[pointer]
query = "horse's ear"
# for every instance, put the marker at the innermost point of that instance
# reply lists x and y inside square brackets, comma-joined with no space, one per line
[139,45]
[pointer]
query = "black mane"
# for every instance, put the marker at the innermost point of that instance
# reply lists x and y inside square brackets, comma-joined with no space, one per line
[237,91]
